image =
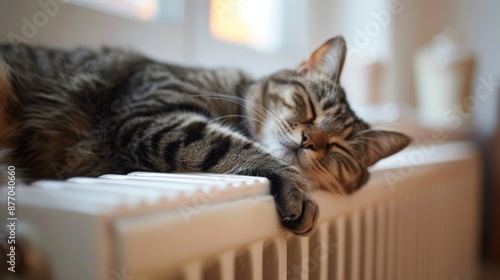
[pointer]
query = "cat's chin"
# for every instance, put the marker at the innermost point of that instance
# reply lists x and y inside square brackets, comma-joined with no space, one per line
[290,156]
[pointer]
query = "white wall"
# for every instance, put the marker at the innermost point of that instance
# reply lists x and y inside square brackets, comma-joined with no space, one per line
[70,25]
[484,38]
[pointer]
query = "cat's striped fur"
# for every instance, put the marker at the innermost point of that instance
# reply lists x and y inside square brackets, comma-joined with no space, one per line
[86,112]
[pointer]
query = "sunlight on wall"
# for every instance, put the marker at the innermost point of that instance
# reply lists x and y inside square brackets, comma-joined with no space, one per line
[253,23]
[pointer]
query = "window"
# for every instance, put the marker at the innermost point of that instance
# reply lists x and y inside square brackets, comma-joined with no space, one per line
[146,10]
[257,24]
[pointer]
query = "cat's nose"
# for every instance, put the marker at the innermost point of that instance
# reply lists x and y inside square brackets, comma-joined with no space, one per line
[308,142]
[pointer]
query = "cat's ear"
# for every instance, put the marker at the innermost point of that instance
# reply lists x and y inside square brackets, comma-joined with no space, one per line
[380,144]
[328,59]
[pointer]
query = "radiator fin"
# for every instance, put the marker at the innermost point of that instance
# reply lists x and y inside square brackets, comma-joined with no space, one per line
[270,261]
[369,235]
[243,265]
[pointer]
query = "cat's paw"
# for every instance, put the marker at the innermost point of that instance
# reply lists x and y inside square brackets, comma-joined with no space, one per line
[299,212]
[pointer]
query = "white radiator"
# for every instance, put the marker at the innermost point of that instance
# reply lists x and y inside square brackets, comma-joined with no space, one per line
[418,218]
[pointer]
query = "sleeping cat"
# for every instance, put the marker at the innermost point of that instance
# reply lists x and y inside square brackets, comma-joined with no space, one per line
[83,112]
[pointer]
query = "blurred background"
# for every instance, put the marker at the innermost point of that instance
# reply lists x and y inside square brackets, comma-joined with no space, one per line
[423,66]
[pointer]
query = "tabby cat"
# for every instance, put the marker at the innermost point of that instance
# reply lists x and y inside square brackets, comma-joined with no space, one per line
[87,112]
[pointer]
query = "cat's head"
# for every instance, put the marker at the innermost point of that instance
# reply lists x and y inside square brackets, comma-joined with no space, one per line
[302,116]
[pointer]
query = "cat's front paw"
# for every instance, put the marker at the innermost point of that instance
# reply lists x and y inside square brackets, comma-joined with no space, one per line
[299,212]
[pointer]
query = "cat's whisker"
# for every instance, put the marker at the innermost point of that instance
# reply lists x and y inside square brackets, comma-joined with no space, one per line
[219,96]
[368,138]
[240,90]
[283,115]
[283,123]
[331,181]
[259,113]
[237,116]
[375,148]
[240,101]
[285,135]
[350,158]
[376,140]
[274,115]
[359,140]
[386,143]
[324,174]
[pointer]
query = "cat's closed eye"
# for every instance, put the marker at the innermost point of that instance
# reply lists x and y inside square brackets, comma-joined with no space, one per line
[311,111]
[335,145]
